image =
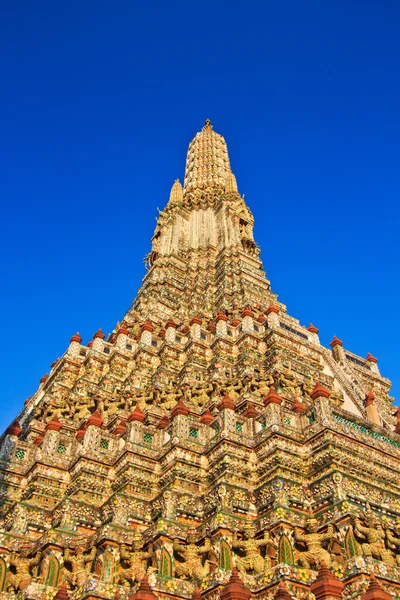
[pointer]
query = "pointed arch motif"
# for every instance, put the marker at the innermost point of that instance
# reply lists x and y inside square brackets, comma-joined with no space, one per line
[165,563]
[225,558]
[53,571]
[285,551]
[3,574]
[350,544]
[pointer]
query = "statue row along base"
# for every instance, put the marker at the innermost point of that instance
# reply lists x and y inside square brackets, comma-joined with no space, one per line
[190,559]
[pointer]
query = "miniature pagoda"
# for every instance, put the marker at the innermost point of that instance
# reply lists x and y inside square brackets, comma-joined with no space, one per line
[208,447]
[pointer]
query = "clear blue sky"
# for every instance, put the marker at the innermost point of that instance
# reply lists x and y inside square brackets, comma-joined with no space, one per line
[99,102]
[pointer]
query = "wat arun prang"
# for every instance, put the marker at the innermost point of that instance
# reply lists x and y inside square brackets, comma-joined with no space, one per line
[209,432]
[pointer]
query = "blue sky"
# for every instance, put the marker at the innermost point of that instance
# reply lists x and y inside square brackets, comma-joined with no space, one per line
[99,102]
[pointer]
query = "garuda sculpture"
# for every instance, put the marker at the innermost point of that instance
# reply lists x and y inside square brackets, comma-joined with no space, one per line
[137,559]
[315,553]
[252,561]
[81,565]
[192,566]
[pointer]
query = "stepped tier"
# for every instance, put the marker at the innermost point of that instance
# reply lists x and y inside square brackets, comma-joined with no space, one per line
[209,431]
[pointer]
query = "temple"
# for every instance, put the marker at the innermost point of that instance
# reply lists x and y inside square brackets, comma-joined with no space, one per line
[209,447]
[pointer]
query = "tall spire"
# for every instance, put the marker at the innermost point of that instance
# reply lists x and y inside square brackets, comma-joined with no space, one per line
[194,264]
[207,162]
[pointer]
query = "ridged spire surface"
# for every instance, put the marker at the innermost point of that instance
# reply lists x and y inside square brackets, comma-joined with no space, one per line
[207,162]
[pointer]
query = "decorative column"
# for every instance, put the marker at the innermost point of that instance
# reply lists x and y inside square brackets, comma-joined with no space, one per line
[170,331]
[43,380]
[396,414]
[12,434]
[375,591]
[314,334]
[92,429]
[373,363]
[247,322]
[136,431]
[272,316]
[337,349]
[227,409]
[372,411]
[327,586]
[235,589]
[14,430]
[195,327]
[221,320]
[50,436]
[122,337]
[97,342]
[320,396]
[273,401]
[145,334]
[74,345]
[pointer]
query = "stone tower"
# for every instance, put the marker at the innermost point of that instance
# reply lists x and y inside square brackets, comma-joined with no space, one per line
[209,446]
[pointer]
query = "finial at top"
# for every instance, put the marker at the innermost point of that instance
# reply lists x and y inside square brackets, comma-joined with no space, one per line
[207,125]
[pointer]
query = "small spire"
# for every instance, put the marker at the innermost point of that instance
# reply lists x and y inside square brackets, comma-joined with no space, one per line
[95,419]
[272,397]
[180,409]
[53,425]
[231,185]
[176,193]
[144,591]
[207,125]
[80,433]
[298,407]
[272,309]
[375,591]
[14,429]
[163,423]
[99,334]
[251,412]
[39,439]
[196,593]
[235,589]
[371,358]
[196,320]
[137,415]
[206,418]
[335,342]
[62,593]
[76,338]
[282,593]
[319,392]
[120,428]
[226,402]
[327,585]
[123,330]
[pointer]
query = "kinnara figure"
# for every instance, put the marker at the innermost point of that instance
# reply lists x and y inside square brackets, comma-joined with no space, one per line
[315,553]
[192,566]
[23,567]
[81,565]
[394,540]
[252,561]
[137,559]
[373,532]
